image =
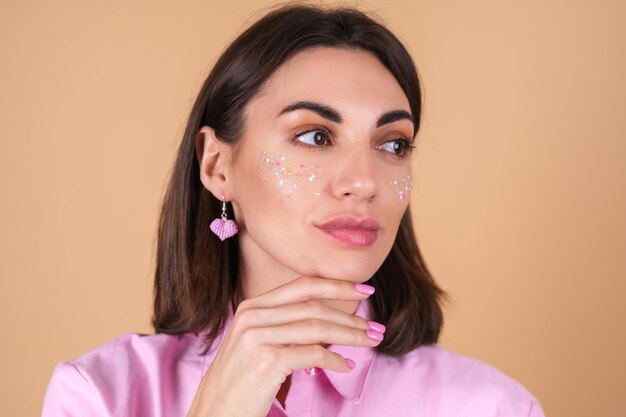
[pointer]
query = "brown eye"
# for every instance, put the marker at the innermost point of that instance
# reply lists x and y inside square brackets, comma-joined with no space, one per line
[398,147]
[313,138]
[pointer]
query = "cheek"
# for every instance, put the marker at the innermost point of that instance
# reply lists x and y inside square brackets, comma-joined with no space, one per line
[291,180]
[288,176]
[396,194]
[402,186]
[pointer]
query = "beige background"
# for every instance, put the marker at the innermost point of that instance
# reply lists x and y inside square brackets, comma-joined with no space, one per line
[519,199]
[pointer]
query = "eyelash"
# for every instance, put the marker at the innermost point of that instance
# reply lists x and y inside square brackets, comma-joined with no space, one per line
[304,132]
[409,146]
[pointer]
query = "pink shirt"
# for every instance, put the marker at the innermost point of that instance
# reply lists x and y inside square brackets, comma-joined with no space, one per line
[158,376]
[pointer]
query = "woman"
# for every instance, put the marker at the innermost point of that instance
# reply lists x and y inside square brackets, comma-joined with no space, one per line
[288,278]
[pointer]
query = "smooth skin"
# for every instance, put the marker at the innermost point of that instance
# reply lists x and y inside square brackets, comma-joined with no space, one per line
[296,290]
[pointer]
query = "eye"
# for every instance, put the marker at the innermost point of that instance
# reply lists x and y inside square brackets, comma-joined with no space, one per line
[398,147]
[315,137]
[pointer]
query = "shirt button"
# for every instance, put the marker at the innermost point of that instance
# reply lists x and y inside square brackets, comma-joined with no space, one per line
[312,371]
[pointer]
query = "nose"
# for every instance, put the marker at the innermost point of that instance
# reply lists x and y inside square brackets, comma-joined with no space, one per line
[355,176]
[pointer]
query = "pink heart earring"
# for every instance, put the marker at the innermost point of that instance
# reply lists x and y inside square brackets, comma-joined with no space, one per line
[223,227]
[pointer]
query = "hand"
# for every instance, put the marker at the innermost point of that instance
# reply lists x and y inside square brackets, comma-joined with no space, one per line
[271,336]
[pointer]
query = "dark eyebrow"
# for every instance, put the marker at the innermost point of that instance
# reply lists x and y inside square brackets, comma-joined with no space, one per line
[392,116]
[333,115]
[324,111]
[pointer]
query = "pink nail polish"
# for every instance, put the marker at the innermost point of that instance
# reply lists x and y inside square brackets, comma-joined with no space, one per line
[350,363]
[376,326]
[374,335]
[365,289]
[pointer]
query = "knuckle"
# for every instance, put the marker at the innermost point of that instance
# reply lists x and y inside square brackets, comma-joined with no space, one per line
[314,305]
[248,317]
[357,336]
[345,288]
[319,353]
[316,325]
[248,338]
[360,322]
[268,357]
[304,281]
[244,305]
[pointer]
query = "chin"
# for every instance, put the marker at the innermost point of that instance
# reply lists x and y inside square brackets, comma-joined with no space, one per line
[350,271]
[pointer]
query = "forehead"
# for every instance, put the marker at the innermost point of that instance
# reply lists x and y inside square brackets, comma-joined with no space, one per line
[335,76]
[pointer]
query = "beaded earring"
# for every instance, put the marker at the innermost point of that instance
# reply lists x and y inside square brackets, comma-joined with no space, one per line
[222,226]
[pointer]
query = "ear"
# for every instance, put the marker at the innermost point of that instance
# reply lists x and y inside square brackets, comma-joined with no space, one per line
[214,158]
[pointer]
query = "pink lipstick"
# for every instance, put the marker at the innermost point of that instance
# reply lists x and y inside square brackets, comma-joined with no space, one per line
[351,231]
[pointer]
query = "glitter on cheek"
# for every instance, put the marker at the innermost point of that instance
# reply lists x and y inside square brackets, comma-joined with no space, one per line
[279,169]
[403,187]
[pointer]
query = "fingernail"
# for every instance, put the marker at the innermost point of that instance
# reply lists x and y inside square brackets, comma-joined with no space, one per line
[365,289]
[350,363]
[374,335]
[376,326]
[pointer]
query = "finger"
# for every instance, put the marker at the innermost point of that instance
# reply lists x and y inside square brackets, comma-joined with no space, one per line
[287,313]
[304,288]
[312,331]
[309,356]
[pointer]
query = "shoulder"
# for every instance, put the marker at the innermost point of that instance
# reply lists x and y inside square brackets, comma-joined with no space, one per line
[464,371]
[463,384]
[137,352]
[106,380]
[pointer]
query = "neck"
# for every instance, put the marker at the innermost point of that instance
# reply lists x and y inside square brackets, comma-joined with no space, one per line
[260,273]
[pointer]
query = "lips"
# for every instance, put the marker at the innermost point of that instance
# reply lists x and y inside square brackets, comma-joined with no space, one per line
[351,231]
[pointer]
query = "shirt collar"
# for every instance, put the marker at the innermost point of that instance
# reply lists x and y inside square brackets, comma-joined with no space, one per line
[348,384]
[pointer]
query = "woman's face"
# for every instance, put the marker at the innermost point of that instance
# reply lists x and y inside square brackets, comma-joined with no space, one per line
[327,138]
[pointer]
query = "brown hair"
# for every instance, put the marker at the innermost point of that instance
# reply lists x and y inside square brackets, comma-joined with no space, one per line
[196,273]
